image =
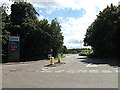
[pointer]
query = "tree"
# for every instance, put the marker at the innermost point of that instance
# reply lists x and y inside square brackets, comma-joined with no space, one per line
[37,38]
[23,18]
[57,38]
[5,31]
[64,49]
[102,34]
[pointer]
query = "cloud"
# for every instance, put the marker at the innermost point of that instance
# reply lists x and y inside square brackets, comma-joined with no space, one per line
[88,5]
[60,18]
[49,6]
[8,3]
[41,17]
[40,11]
[73,41]
[73,29]
[76,28]
[52,5]
[119,3]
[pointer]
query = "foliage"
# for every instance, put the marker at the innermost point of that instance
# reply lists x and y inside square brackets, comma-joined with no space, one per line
[103,34]
[5,31]
[57,38]
[37,38]
[79,50]
[64,49]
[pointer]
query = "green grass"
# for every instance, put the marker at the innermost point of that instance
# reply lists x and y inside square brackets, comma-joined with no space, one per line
[61,57]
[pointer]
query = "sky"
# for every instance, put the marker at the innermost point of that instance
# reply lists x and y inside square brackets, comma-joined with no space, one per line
[74,16]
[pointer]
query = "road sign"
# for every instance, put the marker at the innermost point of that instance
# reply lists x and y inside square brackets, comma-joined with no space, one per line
[14,38]
[14,48]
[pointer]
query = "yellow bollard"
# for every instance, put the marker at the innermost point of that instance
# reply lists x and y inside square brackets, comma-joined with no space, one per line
[51,60]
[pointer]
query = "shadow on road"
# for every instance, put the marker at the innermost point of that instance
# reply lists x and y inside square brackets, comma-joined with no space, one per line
[111,62]
[82,58]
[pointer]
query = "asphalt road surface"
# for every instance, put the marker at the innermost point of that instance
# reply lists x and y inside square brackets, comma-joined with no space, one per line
[78,72]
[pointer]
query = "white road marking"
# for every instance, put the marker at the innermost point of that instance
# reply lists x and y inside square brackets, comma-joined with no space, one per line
[93,71]
[83,71]
[116,71]
[70,71]
[46,71]
[91,65]
[42,71]
[47,68]
[78,71]
[59,71]
[106,71]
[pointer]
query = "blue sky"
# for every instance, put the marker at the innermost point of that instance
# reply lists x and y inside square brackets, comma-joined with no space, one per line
[74,16]
[67,12]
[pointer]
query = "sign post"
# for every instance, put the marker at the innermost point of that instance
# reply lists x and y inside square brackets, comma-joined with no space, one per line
[14,48]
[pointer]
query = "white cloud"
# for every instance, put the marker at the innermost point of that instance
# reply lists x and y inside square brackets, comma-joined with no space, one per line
[88,5]
[73,28]
[60,18]
[8,3]
[40,11]
[51,5]
[41,17]
[76,28]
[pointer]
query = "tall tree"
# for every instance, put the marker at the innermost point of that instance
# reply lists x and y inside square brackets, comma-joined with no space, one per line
[5,31]
[57,38]
[37,38]
[103,35]
[23,18]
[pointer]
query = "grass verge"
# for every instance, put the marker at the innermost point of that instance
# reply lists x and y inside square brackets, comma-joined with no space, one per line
[61,57]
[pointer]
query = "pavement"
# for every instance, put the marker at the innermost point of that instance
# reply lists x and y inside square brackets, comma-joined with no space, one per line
[78,72]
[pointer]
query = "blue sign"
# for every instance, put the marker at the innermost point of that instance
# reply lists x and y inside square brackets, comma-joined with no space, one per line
[14,48]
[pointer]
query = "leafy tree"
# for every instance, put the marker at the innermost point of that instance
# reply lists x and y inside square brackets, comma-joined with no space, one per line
[57,38]
[5,31]
[37,38]
[103,33]
[40,39]
[23,18]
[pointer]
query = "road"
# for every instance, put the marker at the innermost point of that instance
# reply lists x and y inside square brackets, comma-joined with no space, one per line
[78,72]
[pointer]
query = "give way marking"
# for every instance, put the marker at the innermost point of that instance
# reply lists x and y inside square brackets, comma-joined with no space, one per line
[91,65]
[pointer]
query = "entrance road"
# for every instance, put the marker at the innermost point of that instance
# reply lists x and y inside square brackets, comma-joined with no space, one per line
[78,72]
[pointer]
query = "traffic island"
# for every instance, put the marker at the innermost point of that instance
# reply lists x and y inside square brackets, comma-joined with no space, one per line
[55,64]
